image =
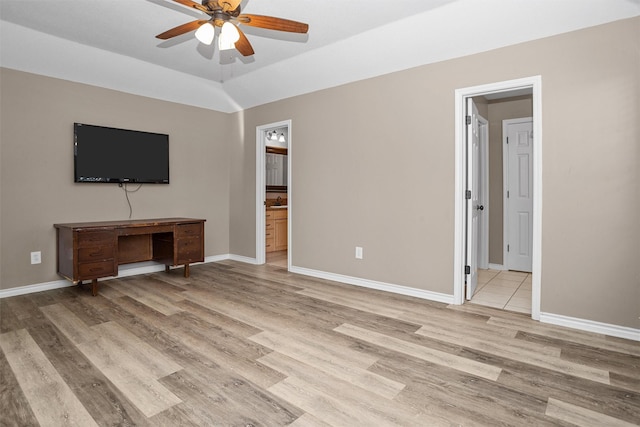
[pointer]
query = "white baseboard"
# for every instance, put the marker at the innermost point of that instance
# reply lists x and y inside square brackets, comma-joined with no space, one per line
[38,287]
[591,326]
[151,267]
[244,259]
[372,284]
[123,271]
[499,267]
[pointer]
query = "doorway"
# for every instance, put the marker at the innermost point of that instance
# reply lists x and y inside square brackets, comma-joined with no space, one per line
[273,193]
[463,205]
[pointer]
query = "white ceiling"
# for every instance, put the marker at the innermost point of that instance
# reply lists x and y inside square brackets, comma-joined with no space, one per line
[111,43]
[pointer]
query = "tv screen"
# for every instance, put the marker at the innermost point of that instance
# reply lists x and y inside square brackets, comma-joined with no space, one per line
[103,154]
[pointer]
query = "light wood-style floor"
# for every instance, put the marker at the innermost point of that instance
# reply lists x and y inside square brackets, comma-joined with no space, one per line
[277,259]
[244,345]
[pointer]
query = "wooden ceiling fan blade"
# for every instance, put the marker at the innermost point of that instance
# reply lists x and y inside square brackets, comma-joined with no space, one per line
[193,4]
[273,23]
[181,29]
[242,45]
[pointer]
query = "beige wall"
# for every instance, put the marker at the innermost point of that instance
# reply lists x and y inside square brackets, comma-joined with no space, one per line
[497,111]
[385,180]
[37,188]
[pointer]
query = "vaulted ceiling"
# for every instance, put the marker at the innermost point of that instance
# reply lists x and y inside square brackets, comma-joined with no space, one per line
[111,43]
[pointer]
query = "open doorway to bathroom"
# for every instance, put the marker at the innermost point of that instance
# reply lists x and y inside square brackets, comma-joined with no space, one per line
[273,189]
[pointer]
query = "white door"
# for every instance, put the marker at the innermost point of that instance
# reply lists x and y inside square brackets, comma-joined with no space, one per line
[519,197]
[473,207]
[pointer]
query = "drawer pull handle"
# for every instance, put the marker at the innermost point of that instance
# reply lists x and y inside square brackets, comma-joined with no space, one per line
[95,269]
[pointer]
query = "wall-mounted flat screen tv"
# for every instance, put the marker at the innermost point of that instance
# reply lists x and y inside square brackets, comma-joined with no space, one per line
[104,154]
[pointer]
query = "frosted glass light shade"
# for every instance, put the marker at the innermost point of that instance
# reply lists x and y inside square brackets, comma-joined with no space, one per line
[228,37]
[205,33]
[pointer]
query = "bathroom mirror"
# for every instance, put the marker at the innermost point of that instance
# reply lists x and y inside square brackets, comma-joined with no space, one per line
[276,169]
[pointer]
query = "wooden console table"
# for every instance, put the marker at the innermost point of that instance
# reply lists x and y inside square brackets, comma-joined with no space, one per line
[91,250]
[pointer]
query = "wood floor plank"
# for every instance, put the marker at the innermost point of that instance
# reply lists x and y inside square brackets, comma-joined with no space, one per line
[316,393]
[422,352]
[624,364]
[149,396]
[472,325]
[15,408]
[520,352]
[240,344]
[75,329]
[227,350]
[227,400]
[308,420]
[477,401]
[612,401]
[162,302]
[581,416]
[336,362]
[132,365]
[133,351]
[349,302]
[50,398]
[566,334]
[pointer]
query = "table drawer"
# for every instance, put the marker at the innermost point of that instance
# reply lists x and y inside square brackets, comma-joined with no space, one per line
[96,238]
[189,250]
[188,230]
[92,270]
[95,253]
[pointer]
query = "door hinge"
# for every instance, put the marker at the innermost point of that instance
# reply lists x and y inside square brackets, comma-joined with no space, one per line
[467,195]
[507,140]
[467,120]
[467,269]
[507,194]
[507,248]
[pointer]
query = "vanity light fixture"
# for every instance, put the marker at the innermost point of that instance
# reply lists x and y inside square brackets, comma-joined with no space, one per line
[273,136]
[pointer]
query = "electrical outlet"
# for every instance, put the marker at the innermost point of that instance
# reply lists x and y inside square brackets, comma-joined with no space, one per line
[358,252]
[36,257]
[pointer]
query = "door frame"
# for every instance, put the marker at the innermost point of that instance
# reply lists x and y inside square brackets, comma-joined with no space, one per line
[261,193]
[505,186]
[535,84]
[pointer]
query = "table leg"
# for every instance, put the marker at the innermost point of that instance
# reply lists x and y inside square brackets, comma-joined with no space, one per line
[94,287]
[186,270]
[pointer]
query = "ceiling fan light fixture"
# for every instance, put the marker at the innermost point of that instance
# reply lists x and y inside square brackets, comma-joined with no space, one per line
[228,37]
[205,33]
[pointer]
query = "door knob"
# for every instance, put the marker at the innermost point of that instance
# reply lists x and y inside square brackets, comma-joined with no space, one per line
[480,207]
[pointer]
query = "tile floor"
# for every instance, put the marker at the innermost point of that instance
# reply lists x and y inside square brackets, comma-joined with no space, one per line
[508,290]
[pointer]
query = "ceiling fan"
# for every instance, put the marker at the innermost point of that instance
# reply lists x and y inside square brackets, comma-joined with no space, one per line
[225,14]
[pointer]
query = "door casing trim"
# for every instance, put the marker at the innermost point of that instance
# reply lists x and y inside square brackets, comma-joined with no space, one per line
[535,83]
